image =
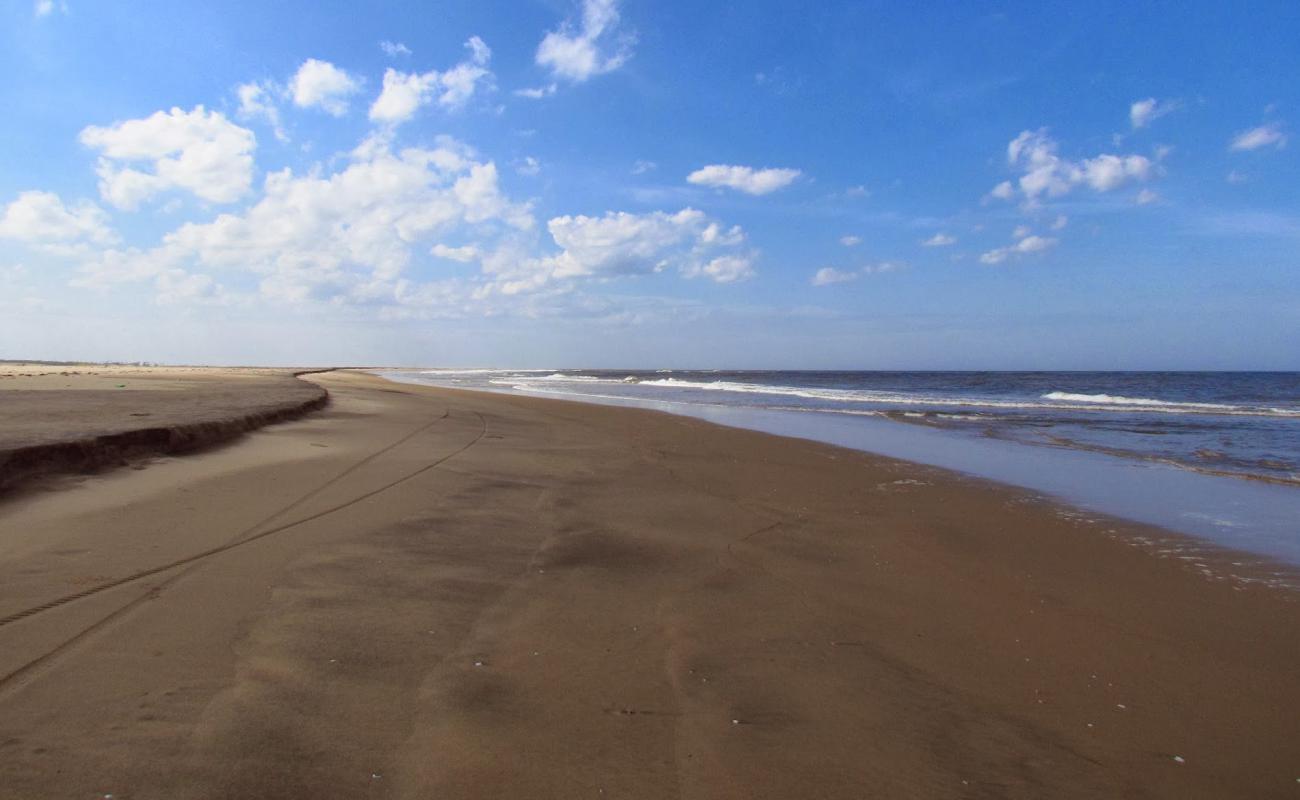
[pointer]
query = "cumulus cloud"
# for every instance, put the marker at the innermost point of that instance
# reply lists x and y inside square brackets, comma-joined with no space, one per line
[41,218]
[176,286]
[620,244]
[850,241]
[1027,245]
[1269,135]
[626,243]
[199,151]
[369,229]
[172,283]
[465,254]
[342,238]
[257,101]
[1046,174]
[394,49]
[404,93]
[830,275]
[1143,112]
[743,179]
[726,269]
[320,84]
[939,240]
[1146,197]
[1003,191]
[576,52]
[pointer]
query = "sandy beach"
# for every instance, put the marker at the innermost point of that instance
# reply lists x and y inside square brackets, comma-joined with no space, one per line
[417,592]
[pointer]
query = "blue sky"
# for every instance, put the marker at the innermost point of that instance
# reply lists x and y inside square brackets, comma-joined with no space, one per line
[626,183]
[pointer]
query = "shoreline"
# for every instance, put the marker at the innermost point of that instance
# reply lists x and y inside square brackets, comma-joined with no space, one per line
[524,596]
[1253,518]
[1210,559]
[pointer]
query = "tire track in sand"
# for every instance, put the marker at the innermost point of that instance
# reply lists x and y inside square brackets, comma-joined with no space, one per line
[196,560]
[236,539]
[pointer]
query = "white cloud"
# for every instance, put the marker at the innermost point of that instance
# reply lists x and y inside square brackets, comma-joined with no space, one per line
[172,284]
[44,8]
[320,84]
[1046,174]
[404,93]
[199,151]
[850,241]
[1236,177]
[1146,197]
[1027,245]
[256,101]
[727,269]
[882,267]
[466,254]
[41,218]
[1060,222]
[827,276]
[1143,112]
[830,275]
[1263,136]
[176,286]
[939,240]
[1034,244]
[1106,172]
[642,167]
[624,244]
[578,52]
[1003,191]
[344,238]
[744,179]
[1021,231]
[537,93]
[857,191]
[394,49]
[529,166]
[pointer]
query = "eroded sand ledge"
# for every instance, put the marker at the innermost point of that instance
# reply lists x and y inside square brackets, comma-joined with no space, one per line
[422,592]
[81,418]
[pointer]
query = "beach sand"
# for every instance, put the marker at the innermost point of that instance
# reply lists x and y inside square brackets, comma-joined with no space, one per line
[58,418]
[420,593]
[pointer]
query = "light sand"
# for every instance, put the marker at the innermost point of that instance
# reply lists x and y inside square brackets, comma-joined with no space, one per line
[492,596]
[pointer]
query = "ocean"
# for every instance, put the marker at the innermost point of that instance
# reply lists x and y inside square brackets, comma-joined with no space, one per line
[1239,432]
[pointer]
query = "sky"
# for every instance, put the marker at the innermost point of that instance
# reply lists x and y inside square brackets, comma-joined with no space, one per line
[627,183]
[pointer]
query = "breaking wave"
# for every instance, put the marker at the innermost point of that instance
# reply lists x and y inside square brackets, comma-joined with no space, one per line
[1068,401]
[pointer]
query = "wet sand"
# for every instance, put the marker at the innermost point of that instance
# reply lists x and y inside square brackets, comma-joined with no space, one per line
[428,593]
